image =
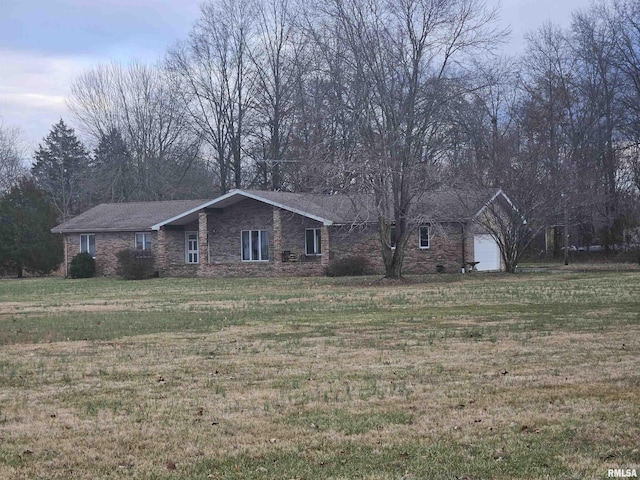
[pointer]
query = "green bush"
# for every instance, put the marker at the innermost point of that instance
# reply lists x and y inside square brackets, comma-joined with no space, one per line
[135,264]
[82,266]
[348,267]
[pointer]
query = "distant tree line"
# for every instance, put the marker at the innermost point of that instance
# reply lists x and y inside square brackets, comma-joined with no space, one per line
[389,98]
[393,98]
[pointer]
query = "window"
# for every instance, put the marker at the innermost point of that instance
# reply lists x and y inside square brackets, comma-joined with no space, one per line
[313,241]
[423,234]
[255,245]
[191,247]
[143,241]
[88,244]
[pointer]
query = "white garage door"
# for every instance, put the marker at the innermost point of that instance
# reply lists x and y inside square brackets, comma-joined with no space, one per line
[486,252]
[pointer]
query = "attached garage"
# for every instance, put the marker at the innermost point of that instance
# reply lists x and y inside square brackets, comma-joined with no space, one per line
[486,252]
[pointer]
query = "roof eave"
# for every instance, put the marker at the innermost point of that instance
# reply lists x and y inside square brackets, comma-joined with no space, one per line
[325,221]
[100,230]
[232,193]
[507,199]
[486,205]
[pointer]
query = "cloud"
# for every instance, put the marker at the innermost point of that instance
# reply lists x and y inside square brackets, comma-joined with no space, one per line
[33,87]
[32,100]
[526,16]
[45,45]
[89,27]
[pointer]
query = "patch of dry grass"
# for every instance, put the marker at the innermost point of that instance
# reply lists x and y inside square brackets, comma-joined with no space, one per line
[530,377]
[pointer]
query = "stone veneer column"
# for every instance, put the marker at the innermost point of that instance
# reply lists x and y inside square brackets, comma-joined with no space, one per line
[277,238]
[203,239]
[324,246]
[161,250]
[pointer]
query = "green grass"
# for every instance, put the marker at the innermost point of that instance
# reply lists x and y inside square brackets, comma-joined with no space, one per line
[531,376]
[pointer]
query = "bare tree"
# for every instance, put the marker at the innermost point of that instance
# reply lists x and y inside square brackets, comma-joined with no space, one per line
[275,55]
[212,73]
[403,56]
[505,222]
[328,111]
[550,122]
[600,81]
[139,102]
[624,19]
[12,167]
[483,136]
[550,98]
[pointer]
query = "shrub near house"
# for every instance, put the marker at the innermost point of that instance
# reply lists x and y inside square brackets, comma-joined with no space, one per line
[82,266]
[135,264]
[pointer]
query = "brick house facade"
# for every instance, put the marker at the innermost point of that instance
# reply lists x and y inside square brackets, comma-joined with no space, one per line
[258,233]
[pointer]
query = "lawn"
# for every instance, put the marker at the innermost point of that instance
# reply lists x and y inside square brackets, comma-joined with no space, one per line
[531,376]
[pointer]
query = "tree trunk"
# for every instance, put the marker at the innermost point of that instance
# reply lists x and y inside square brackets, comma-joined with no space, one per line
[509,254]
[393,262]
[393,271]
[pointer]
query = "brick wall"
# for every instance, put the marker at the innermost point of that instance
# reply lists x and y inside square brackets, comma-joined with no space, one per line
[108,244]
[176,244]
[293,233]
[445,248]
[225,236]
[359,240]
[224,230]
[226,227]
[222,256]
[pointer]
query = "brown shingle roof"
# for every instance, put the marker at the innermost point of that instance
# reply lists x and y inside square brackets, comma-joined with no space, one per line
[441,205]
[123,217]
[337,208]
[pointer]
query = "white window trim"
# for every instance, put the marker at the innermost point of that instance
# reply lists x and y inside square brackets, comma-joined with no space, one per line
[144,235]
[420,237]
[87,236]
[187,251]
[317,246]
[260,232]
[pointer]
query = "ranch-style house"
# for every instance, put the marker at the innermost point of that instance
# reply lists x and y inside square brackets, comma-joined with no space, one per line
[267,233]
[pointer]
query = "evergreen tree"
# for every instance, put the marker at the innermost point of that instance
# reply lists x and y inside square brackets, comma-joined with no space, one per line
[26,241]
[61,170]
[114,177]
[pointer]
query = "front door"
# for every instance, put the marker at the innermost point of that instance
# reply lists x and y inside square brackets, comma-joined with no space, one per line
[191,247]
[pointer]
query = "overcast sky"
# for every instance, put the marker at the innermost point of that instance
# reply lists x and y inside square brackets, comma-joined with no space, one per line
[45,44]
